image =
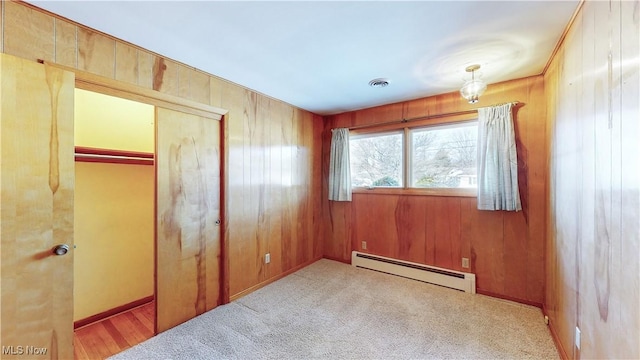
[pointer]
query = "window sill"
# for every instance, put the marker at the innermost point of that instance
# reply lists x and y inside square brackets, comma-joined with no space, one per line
[454,192]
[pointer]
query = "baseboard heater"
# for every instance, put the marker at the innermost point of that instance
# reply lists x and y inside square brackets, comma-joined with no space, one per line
[449,278]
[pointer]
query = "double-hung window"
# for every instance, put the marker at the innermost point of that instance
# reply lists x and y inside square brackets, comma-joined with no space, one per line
[435,157]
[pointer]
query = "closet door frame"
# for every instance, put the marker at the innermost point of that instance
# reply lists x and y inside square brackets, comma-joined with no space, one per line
[99,84]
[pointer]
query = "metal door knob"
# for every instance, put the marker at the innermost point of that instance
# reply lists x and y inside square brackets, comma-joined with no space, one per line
[61,249]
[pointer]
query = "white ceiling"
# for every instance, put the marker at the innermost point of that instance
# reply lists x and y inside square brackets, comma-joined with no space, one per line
[320,55]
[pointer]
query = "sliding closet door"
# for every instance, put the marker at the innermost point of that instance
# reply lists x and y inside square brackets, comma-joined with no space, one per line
[36,202]
[187,212]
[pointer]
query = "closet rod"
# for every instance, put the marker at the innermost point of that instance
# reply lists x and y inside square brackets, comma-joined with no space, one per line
[87,154]
[426,117]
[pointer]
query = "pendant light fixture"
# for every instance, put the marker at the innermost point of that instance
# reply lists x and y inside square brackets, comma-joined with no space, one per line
[472,89]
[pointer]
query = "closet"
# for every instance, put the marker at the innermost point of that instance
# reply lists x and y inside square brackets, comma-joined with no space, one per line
[37,190]
[114,205]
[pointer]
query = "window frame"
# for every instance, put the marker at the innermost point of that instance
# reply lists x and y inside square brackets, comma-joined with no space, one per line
[405,128]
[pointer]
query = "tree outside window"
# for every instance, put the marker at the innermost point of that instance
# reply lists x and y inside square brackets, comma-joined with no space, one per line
[440,156]
[376,160]
[444,156]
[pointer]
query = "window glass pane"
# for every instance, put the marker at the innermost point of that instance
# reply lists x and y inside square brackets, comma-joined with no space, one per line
[376,160]
[444,156]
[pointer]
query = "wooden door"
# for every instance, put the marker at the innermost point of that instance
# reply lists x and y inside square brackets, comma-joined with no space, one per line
[36,210]
[187,210]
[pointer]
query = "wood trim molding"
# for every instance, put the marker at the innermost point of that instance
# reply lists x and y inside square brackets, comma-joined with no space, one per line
[116,310]
[224,210]
[88,154]
[510,298]
[348,262]
[562,37]
[457,192]
[96,83]
[554,336]
[271,280]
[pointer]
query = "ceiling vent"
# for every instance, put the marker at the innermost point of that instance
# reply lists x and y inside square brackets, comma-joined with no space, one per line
[379,83]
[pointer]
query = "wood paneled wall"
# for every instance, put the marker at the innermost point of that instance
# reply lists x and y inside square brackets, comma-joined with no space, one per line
[592,89]
[273,186]
[272,149]
[506,249]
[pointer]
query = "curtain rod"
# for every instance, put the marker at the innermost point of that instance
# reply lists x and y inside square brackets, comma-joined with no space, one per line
[426,117]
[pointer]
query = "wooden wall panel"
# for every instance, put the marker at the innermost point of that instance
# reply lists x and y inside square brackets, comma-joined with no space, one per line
[302,172]
[270,187]
[378,114]
[506,250]
[305,171]
[516,243]
[275,190]
[410,219]
[216,86]
[232,98]
[257,188]
[270,161]
[288,220]
[242,245]
[184,78]
[146,62]
[126,63]
[199,87]
[416,108]
[536,187]
[66,41]
[444,232]
[484,231]
[28,33]
[629,247]
[593,243]
[251,166]
[96,53]
[2,27]
[551,256]
[316,186]
[165,76]
[294,211]
[375,211]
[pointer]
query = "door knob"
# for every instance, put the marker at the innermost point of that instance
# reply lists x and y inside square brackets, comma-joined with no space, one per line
[61,249]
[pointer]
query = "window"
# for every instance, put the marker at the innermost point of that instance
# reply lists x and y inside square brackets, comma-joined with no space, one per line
[436,157]
[376,159]
[444,156]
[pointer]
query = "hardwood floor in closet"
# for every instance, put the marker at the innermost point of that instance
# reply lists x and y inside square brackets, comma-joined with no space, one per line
[115,334]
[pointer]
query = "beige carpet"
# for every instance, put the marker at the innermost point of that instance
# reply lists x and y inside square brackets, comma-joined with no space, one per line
[331,310]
